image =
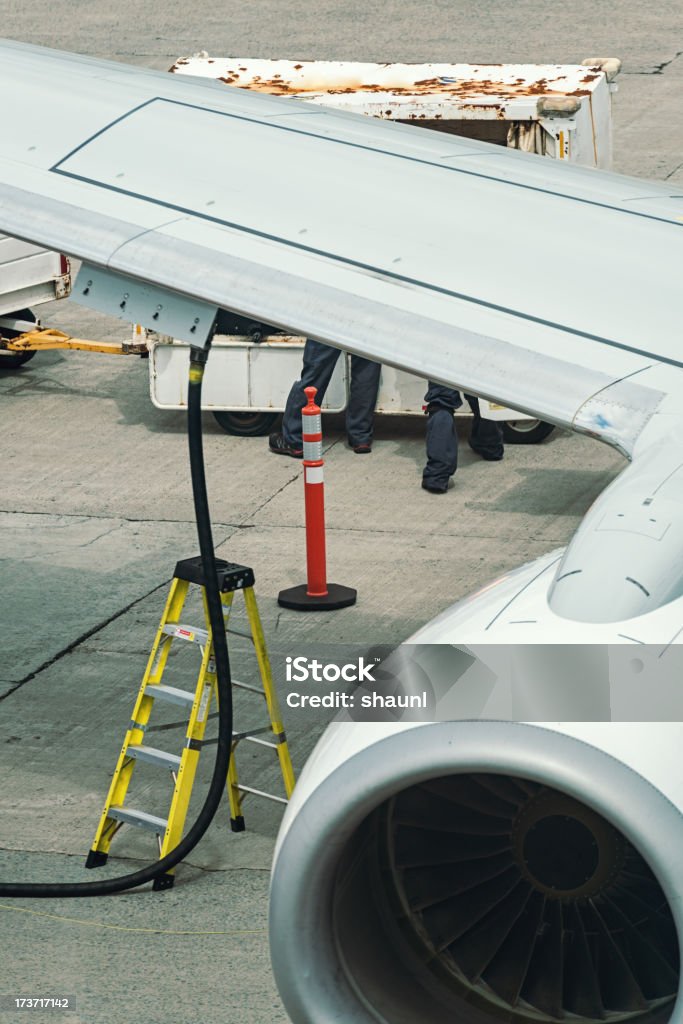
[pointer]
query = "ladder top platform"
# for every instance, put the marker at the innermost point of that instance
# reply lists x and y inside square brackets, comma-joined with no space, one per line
[230,575]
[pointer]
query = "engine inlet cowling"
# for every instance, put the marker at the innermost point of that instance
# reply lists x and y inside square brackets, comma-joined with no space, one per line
[481,872]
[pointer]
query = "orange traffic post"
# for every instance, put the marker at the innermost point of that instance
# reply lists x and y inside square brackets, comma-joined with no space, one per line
[316,594]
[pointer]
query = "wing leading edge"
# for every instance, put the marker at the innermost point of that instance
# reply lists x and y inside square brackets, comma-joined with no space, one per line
[542,286]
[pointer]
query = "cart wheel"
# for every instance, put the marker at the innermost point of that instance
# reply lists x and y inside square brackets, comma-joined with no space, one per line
[526,431]
[12,360]
[246,424]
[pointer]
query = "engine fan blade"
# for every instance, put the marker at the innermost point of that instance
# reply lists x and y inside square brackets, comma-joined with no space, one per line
[475,950]
[618,986]
[421,809]
[507,971]
[581,987]
[448,921]
[544,982]
[425,887]
[421,847]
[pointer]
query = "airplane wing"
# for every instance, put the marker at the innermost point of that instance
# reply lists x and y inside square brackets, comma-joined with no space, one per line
[550,288]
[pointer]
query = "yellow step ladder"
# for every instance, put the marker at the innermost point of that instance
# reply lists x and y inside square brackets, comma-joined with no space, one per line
[183,766]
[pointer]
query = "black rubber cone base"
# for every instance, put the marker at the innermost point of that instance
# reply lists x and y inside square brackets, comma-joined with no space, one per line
[237,824]
[337,596]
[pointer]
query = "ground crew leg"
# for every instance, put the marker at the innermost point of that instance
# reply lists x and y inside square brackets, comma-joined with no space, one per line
[319,363]
[442,439]
[362,400]
[486,436]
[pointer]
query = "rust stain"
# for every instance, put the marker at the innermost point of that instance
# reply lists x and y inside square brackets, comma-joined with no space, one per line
[298,67]
[468,89]
[539,88]
[475,106]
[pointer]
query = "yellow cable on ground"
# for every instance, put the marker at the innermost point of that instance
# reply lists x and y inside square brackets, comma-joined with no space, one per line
[122,928]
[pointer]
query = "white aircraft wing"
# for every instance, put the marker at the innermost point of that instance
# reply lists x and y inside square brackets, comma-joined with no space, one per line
[553,289]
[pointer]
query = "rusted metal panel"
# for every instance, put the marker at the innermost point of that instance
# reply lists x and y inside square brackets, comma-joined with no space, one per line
[283,77]
[407,91]
[570,102]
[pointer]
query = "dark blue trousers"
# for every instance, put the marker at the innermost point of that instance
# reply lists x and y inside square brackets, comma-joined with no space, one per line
[319,363]
[486,436]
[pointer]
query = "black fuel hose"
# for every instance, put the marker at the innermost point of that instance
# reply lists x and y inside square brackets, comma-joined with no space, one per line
[216,791]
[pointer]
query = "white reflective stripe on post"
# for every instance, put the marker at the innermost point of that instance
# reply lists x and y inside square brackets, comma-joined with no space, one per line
[313,451]
[313,474]
[311,424]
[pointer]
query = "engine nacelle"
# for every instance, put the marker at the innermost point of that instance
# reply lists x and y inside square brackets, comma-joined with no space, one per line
[479,872]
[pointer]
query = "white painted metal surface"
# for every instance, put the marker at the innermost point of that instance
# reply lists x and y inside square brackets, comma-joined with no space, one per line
[653,758]
[29,275]
[247,376]
[244,376]
[515,609]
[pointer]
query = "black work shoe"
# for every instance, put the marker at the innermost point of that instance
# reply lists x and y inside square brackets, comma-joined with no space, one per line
[487,454]
[279,446]
[434,488]
[362,449]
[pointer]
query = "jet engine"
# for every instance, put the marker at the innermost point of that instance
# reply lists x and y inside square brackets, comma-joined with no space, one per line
[478,872]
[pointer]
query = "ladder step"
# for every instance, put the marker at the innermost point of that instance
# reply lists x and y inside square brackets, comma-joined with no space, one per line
[193,634]
[247,686]
[260,792]
[154,756]
[140,818]
[169,693]
[261,743]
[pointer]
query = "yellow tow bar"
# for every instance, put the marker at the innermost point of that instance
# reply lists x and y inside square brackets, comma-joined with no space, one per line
[43,339]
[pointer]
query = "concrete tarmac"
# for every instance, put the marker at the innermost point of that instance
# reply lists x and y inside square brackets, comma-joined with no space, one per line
[95,509]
